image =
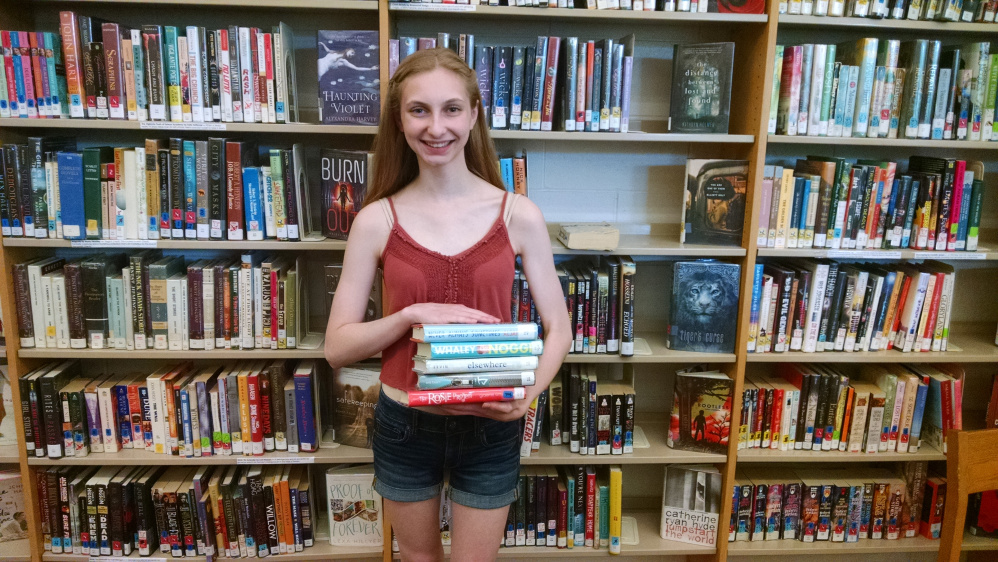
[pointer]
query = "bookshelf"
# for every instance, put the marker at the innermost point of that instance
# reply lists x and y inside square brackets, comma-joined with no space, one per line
[633,179]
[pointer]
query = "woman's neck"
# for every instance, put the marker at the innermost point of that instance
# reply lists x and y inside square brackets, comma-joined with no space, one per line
[444,182]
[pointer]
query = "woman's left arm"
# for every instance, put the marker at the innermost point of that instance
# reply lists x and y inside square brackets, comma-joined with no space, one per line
[529,235]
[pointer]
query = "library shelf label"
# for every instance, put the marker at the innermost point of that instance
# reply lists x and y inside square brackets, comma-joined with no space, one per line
[276,460]
[171,126]
[112,243]
[867,255]
[419,7]
[951,255]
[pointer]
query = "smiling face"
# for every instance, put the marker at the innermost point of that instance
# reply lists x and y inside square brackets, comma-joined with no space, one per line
[437,117]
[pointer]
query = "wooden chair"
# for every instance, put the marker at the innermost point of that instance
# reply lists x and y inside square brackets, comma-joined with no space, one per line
[972,466]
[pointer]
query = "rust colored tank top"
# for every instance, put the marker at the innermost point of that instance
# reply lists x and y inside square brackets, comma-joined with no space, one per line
[480,277]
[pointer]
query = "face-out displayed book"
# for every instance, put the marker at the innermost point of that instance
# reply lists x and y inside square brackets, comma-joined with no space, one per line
[704,307]
[701,88]
[344,180]
[701,412]
[473,362]
[354,507]
[332,273]
[13,520]
[355,393]
[349,83]
[691,502]
[714,202]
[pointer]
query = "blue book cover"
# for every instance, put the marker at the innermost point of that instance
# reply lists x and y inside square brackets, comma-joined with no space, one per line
[185,416]
[349,84]
[570,518]
[22,103]
[146,419]
[407,46]
[251,204]
[305,412]
[754,310]
[124,417]
[963,227]
[917,416]
[56,84]
[506,169]
[190,191]
[71,195]
[704,311]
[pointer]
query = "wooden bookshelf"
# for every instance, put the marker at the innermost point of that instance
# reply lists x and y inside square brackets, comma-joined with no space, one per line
[322,550]
[881,25]
[985,254]
[573,15]
[925,453]
[8,455]
[17,551]
[799,549]
[369,5]
[969,343]
[955,145]
[81,125]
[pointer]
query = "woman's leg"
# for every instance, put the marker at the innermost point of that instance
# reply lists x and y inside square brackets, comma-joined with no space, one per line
[417,529]
[476,532]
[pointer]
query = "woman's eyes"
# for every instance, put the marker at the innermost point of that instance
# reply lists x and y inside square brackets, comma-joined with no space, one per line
[421,111]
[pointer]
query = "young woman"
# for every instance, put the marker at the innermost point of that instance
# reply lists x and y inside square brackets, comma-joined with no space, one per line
[447,235]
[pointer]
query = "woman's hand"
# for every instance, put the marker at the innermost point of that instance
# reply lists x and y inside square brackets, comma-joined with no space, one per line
[440,313]
[499,411]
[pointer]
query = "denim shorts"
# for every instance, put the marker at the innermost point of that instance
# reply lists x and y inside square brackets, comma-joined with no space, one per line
[412,449]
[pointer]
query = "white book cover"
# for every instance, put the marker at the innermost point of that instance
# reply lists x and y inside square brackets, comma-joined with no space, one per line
[691,499]
[257,307]
[51,183]
[246,76]
[174,329]
[354,507]
[224,81]
[912,314]
[814,307]
[223,414]
[860,410]
[37,298]
[246,321]
[141,195]
[951,278]
[48,310]
[280,87]
[129,190]
[878,286]
[261,111]
[216,419]
[192,394]
[930,291]
[194,74]
[12,525]
[267,196]
[60,310]
[185,331]
[106,402]
[208,307]
[897,407]
[817,88]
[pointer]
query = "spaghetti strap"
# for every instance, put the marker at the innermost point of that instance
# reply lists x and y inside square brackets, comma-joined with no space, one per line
[391,204]
[388,210]
[508,214]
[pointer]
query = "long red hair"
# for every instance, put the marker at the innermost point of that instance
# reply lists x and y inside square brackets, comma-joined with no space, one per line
[395,164]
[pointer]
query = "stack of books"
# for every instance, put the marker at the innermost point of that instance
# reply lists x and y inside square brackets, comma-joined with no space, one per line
[466,363]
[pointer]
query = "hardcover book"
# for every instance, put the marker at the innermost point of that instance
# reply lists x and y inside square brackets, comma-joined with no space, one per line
[701,88]
[701,413]
[344,185]
[704,307]
[349,87]
[714,209]
[13,521]
[355,396]
[691,501]
[354,507]
[332,275]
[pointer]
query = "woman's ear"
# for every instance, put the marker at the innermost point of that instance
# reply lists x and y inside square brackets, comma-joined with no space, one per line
[474,114]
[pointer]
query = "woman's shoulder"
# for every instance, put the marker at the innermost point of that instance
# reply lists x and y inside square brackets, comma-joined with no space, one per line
[371,226]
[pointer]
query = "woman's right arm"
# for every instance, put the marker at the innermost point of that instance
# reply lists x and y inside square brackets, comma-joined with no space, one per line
[348,338]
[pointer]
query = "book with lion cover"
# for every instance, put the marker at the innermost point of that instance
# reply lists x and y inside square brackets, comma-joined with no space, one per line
[701,413]
[704,309]
[355,395]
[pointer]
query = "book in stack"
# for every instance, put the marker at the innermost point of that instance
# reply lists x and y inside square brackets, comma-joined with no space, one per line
[467,363]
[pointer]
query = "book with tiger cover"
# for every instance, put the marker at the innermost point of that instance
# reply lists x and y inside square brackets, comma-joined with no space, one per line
[704,309]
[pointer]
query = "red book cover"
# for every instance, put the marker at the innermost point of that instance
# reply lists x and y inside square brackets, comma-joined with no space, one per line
[135,416]
[954,217]
[562,514]
[26,73]
[256,431]
[266,427]
[930,325]
[463,396]
[268,47]
[776,417]
[234,189]
[71,56]
[550,83]
[897,314]
[37,61]
[760,412]
[254,74]
[847,419]
[8,67]
[115,83]
[932,507]
[591,491]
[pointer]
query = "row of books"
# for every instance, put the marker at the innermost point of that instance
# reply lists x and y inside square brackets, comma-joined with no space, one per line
[825,202]
[599,296]
[185,511]
[154,73]
[703,6]
[917,10]
[584,408]
[147,301]
[836,505]
[886,408]
[815,306]
[562,83]
[249,408]
[884,88]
